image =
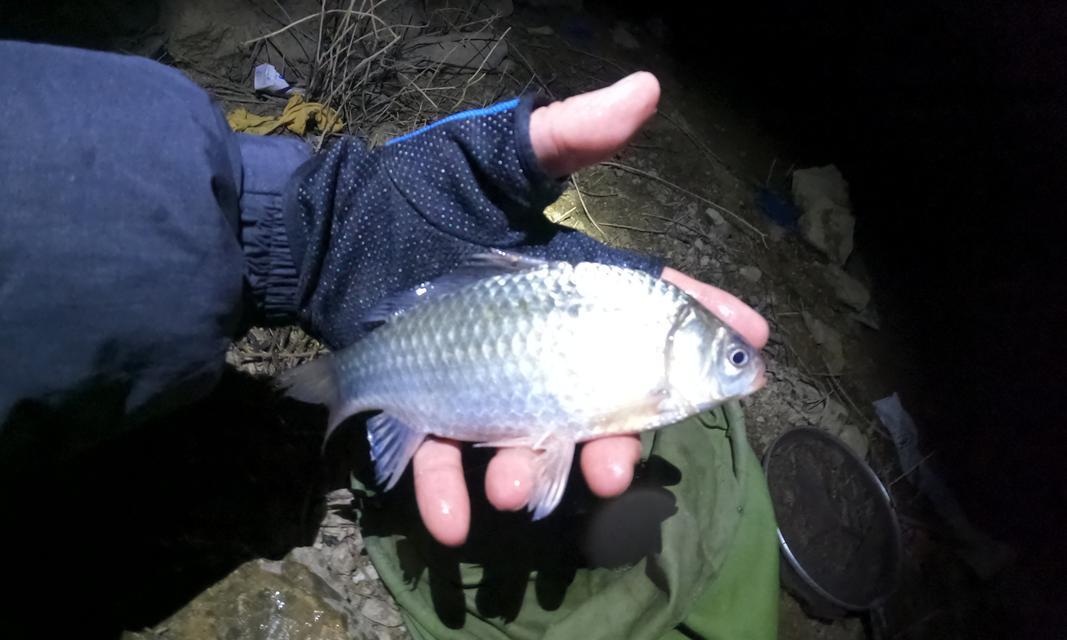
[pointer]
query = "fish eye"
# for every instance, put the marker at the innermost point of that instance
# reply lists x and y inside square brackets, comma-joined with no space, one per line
[738,357]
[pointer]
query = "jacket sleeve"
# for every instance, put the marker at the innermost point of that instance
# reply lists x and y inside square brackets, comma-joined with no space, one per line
[122,274]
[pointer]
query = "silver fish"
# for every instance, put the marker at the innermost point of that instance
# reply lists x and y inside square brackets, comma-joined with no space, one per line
[512,351]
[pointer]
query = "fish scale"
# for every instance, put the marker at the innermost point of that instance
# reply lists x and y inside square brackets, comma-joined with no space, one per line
[518,335]
[518,352]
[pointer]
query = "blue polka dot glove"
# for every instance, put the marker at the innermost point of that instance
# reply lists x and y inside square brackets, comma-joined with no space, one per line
[368,224]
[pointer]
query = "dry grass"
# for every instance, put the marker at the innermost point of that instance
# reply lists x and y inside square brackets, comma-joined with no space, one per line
[269,351]
[386,72]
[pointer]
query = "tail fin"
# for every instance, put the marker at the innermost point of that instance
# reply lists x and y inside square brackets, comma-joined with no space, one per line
[316,382]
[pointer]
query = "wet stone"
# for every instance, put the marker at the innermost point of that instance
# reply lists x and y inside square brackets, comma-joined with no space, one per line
[259,600]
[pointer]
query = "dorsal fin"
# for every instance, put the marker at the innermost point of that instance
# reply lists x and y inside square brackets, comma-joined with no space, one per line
[474,268]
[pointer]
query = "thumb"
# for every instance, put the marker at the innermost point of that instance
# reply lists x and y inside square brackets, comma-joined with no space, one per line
[590,127]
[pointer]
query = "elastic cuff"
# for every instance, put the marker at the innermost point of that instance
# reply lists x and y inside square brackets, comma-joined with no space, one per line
[269,164]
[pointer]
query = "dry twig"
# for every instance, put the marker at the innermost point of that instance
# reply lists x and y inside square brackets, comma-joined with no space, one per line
[634,170]
[913,468]
[574,181]
[320,15]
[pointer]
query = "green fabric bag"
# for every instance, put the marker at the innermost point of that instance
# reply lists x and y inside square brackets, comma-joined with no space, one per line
[689,551]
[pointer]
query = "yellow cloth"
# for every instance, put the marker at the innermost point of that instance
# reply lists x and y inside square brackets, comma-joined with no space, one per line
[298,116]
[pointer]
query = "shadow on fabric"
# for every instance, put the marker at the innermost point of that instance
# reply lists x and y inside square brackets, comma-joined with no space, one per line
[584,532]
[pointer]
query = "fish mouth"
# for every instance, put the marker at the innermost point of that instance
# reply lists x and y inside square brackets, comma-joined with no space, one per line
[760,379]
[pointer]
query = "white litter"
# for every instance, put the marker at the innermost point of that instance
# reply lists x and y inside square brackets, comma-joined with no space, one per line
[267,78]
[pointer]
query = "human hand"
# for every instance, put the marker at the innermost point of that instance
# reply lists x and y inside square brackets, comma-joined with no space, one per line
[566,136]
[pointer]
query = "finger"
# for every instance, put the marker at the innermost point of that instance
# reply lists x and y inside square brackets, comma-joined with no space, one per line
[741,317]
[590,127]
[608,464]
[509,478]
[441,491]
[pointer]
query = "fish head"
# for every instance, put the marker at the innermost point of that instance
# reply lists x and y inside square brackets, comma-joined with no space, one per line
[707,362]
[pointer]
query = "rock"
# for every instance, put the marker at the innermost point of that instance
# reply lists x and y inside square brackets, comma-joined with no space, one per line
[341,561]
[283,600]
[621,36]
[827,222]
[833,417]
[828,227]
[314,560]
[381,612]
[829,341]
[705,261]
[846,288]
[363,583]
[752,274]
[339,497]
[818,183]
[854,438]
[868,318]
[715,217]
[806,392]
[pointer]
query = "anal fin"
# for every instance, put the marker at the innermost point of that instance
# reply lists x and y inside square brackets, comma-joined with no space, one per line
[551,469]
[392,445]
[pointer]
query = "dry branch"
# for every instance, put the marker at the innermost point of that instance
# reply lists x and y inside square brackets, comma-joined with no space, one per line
[634,170]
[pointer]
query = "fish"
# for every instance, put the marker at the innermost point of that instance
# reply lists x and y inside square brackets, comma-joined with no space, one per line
[513,351]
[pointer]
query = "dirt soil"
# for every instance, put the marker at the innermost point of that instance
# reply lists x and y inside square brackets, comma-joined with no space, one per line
[686,189]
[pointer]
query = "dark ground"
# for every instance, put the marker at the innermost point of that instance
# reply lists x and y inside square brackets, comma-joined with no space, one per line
[948,123]
[950,120]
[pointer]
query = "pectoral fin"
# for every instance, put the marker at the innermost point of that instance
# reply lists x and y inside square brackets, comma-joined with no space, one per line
[658,409]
